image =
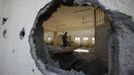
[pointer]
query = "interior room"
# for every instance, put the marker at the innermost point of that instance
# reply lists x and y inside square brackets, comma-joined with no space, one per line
[76,37]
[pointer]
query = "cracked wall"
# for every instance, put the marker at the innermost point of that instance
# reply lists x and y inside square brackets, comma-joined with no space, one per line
[15,53]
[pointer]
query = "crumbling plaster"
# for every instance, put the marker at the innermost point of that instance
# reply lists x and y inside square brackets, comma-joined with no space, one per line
[22,13]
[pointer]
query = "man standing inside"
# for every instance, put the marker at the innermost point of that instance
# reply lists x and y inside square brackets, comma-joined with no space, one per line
[64,39]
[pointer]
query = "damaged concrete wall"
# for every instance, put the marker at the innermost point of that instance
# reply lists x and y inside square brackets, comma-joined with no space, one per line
[122,44]
[120,5]
[1,6]
[15,57]
[15,53]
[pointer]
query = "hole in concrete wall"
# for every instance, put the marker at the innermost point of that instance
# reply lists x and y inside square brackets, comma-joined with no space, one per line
[45,55]
[4,20]
[22,33]
[78,40]
[4,33]
[41,54]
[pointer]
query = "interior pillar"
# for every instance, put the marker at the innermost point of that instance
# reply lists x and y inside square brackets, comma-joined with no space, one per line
[55,38]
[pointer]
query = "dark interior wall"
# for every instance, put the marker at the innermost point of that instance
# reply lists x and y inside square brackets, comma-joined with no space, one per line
[102,27]
[101,41]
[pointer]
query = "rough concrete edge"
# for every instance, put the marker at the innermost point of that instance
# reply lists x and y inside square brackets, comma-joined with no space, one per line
[39,64]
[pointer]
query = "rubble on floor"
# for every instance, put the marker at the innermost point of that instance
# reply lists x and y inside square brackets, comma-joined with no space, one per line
[68,61]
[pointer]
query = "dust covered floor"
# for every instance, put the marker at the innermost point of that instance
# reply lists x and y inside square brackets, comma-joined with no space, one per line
[79,62]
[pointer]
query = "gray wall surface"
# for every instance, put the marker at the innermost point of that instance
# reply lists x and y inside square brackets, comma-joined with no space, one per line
[15,57]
